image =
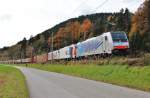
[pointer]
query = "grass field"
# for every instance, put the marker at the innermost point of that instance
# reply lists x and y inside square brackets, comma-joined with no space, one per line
[134,77]
[12,83]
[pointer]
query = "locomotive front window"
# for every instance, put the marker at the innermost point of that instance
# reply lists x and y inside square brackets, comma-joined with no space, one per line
[106,38]
[119,37]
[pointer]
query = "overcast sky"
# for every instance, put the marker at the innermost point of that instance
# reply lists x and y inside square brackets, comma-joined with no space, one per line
[23,18]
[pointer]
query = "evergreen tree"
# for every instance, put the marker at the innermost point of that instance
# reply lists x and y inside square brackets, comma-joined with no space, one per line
[120,21]
[23,48]
[127,20]
[136,43]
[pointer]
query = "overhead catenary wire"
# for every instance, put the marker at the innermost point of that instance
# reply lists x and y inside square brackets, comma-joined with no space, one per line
[79,6]
[99,6]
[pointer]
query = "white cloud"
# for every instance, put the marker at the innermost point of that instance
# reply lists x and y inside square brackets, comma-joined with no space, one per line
[22,18]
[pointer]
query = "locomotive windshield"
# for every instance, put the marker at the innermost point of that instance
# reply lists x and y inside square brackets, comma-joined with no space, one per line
[119,36]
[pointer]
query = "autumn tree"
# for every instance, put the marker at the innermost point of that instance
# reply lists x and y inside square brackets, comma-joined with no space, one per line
[141,25]
[72,29]
[49,43]
[76,31]
[59,37]
[86,27]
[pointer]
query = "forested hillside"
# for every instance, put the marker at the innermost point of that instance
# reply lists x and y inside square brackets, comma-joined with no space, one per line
[137,27]
[140,31]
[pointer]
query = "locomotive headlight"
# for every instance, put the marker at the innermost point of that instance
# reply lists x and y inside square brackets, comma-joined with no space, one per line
[126,47]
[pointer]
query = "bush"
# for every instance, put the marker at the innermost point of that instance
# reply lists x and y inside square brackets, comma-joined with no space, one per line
[135,62]
[146,59]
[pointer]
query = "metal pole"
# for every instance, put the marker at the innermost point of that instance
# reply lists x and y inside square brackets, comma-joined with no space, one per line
[52,46]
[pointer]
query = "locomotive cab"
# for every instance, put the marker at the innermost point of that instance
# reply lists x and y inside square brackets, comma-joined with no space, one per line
[120,42]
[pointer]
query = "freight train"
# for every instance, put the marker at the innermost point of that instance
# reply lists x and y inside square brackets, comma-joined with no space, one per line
[106,44]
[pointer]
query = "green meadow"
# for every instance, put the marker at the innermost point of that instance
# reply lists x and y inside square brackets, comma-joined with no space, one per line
[12,83]
[130,76]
